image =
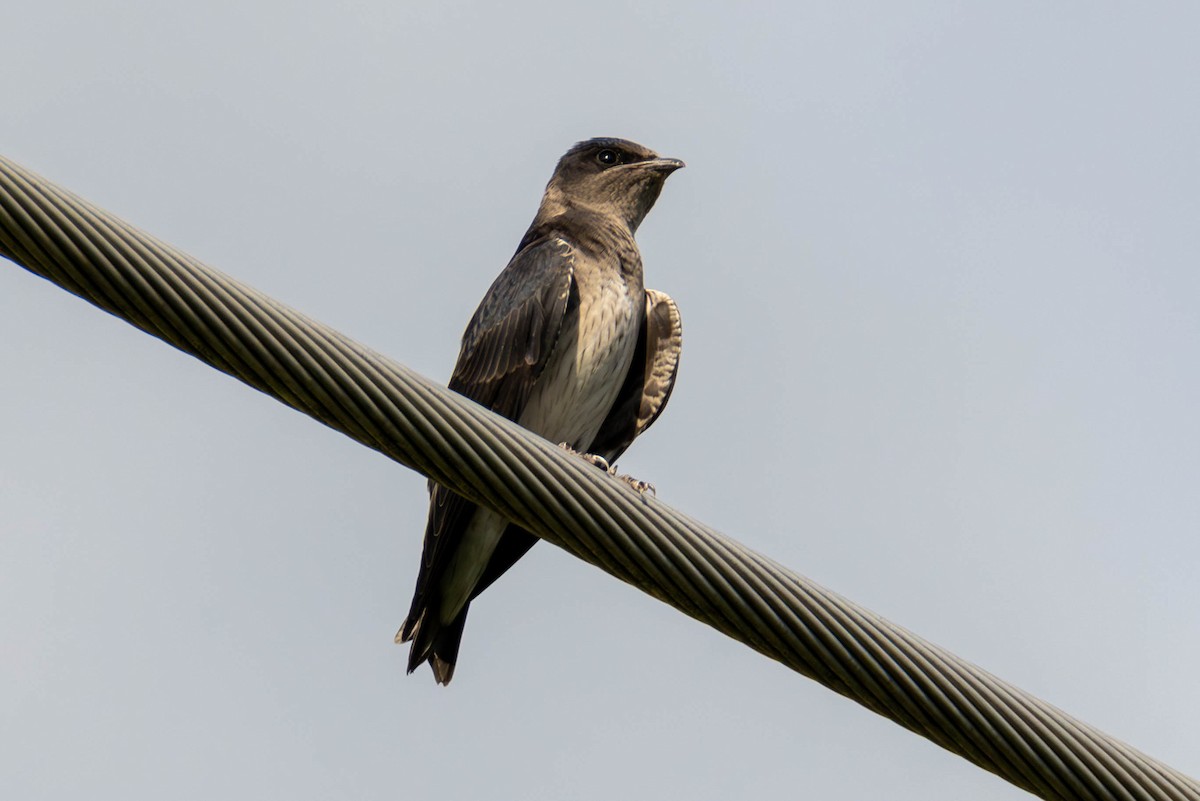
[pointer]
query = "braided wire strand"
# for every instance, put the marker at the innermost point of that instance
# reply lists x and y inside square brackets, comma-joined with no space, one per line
[637,539]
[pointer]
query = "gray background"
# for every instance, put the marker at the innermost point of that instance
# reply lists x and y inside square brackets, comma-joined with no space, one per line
[937,267]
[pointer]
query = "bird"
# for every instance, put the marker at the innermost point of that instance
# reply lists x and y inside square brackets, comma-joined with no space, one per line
[569,344]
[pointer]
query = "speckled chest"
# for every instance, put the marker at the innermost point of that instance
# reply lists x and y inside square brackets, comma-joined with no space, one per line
[592,356]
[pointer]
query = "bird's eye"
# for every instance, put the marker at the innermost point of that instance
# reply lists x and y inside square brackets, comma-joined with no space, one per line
[608,157]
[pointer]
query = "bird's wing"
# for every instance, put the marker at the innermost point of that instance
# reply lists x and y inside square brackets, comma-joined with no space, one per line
[504,350]
[651,378]
[513,332]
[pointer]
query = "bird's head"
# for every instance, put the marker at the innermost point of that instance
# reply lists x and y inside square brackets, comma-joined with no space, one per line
[614,177]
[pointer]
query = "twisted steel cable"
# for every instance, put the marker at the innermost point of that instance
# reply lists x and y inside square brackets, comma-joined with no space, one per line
[637,539]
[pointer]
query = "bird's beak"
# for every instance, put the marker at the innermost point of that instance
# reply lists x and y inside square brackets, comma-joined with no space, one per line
[665,166]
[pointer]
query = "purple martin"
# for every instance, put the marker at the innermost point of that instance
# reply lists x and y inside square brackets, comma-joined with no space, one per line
[569,344]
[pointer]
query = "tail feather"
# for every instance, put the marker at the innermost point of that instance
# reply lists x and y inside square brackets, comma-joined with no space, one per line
[434,643]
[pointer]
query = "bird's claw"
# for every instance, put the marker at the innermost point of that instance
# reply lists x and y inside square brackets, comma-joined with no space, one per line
[639,486]
[590,458]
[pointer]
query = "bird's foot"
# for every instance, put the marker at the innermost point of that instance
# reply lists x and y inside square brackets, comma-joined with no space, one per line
[639,486]
[590,458]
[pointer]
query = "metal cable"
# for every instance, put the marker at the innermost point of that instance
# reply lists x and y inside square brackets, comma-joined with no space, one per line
[639,540]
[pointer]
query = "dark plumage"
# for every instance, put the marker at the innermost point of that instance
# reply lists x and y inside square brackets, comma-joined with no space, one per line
[567,343]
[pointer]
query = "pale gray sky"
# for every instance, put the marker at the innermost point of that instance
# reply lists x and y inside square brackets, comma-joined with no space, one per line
[937,264]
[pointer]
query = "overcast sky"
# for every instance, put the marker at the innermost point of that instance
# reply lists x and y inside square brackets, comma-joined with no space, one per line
[938,271]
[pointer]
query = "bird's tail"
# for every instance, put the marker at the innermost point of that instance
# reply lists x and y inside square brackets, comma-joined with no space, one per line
[434,643]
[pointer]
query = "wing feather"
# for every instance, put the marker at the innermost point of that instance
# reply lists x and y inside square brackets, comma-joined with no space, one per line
[505,348]
[651,378]
[514,330]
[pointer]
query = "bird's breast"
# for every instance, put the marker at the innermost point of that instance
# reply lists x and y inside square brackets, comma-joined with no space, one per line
[580,382]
